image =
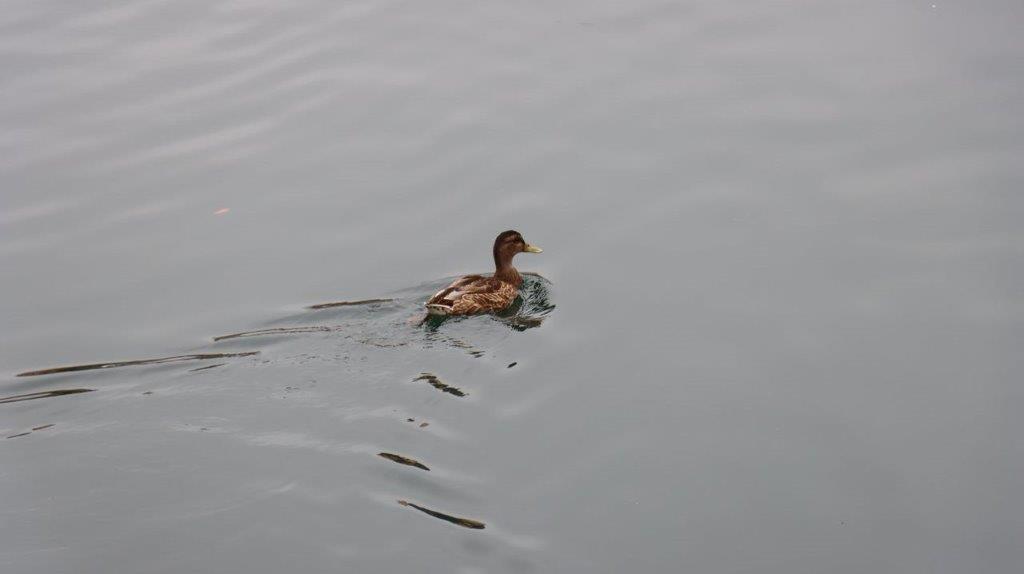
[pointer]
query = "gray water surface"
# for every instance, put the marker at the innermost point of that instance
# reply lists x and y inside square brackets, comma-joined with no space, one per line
[777,328]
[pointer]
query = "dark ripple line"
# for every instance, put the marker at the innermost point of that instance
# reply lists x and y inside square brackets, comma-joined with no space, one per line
[161,360]
[348,303]
[276,331]
[403,460]
[463,522]
[43,395]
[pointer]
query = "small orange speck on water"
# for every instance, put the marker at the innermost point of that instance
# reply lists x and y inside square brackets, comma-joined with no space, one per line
[221,211]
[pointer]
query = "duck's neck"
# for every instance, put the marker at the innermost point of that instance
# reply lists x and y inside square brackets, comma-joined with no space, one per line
[503,270]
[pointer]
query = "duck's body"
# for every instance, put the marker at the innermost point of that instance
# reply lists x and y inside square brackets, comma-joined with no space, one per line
[480,294]
[473,294]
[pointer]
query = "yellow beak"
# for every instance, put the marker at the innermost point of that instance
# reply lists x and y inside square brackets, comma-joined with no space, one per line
[533,249]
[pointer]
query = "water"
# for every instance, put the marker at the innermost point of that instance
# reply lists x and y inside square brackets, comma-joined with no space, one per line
[780,330]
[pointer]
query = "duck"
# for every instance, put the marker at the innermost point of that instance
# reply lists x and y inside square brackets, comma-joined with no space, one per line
[472,294]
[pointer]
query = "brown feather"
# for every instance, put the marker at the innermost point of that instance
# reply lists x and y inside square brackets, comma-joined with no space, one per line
[475,294]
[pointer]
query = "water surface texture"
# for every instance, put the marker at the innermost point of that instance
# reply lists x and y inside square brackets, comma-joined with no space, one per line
[776,327]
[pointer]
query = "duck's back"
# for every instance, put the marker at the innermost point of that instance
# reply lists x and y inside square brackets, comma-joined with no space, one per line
[472,294]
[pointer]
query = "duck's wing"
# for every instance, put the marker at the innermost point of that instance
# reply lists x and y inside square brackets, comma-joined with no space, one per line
[456,289]
[472,294]
[488,295]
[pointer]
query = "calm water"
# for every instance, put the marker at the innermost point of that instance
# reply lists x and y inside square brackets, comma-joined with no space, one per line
[780,329]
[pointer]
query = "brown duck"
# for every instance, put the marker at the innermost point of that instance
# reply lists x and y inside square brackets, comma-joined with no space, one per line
[481,294]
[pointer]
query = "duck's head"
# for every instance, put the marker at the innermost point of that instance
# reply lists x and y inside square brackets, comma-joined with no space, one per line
[507,244]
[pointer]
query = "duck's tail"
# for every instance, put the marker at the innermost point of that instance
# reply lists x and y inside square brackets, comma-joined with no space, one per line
[433,310]
[438,309]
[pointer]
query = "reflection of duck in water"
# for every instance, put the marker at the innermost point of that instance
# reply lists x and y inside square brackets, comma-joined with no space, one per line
[479,294]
